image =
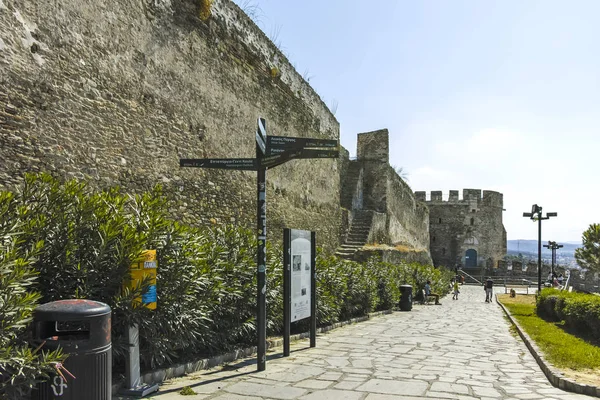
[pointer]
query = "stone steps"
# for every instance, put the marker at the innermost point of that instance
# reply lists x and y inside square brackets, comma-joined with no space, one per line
[357,235]
[349,184]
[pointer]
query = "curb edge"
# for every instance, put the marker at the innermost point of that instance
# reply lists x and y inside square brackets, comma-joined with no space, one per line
[555,377]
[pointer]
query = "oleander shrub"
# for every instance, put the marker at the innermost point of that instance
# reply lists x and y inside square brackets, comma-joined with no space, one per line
[331,287]
[21,366]
[85,240]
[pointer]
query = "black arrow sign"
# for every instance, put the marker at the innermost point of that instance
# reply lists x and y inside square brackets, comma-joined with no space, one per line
[280,144]
[278,159]
[244,164]
[317,153]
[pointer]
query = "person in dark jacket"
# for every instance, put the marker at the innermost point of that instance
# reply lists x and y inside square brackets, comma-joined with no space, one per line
[488,286]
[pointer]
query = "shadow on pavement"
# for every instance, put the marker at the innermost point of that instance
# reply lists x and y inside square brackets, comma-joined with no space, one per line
[226,367]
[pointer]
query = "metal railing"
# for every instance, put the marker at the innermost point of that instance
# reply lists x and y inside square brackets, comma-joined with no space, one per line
[460,271]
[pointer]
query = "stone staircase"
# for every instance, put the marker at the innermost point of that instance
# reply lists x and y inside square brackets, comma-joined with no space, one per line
[349,184]
[357,236]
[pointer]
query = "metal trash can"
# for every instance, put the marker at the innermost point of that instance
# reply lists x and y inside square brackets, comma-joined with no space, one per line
[405,297]
[82,329]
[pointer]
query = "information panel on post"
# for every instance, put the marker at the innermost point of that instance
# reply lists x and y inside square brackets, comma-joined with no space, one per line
[301,268]
[142,268]
[299,281]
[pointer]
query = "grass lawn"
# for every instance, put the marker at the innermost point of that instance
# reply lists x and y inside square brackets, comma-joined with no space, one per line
[573,355]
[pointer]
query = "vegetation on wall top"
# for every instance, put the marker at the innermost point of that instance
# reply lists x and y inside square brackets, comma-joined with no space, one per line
[205,9]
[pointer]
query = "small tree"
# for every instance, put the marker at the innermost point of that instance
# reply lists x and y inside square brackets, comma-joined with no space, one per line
[588,256]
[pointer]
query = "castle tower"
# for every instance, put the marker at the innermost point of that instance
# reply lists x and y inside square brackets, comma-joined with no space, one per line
[468,233]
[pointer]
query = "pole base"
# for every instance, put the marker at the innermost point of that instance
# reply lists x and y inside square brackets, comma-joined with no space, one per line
[139,391]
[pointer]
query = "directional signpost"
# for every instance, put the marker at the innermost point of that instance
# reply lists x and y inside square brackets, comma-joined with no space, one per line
[281,144]
[247,164]
[271,151]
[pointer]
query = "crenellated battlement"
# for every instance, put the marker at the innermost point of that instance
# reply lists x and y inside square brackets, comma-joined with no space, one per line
[484,198]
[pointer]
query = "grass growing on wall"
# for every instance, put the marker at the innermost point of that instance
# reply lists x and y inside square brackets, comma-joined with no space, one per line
[206,278]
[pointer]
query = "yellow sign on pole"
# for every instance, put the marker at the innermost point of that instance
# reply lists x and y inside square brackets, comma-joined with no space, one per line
[145,266]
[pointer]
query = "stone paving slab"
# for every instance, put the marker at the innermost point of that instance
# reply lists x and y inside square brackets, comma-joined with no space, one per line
[461,350]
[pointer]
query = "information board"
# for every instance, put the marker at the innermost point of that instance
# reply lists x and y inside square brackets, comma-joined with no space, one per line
[300,257]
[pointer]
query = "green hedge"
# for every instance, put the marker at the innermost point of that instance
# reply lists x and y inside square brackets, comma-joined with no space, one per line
[206,282]
[20,365]
[579,311]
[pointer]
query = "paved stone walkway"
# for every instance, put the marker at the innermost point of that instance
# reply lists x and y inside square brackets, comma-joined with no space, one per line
[459,350]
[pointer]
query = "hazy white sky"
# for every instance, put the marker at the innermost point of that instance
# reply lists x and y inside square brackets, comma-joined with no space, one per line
[499,95]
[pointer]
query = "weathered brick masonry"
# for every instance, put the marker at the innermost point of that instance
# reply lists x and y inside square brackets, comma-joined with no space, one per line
[116,91]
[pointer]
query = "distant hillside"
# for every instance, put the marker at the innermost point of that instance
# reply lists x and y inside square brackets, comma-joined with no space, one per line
[531,246]
[528,249]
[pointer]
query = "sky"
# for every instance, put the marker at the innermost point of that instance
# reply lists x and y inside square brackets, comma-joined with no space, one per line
[496,95]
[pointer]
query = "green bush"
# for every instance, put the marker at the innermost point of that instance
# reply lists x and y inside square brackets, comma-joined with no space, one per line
[546,304]
[20,366]
[331,287]
[85,241]
[580,311]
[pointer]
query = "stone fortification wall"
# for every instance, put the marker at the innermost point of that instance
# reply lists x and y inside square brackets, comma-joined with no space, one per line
[372,153]
[408,219]
[117,91]
[473,223]
[405,220]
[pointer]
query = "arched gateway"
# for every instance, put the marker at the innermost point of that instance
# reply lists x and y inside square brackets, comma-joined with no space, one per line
[471,258]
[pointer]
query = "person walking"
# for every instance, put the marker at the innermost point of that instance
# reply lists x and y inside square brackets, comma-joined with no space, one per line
[488,286]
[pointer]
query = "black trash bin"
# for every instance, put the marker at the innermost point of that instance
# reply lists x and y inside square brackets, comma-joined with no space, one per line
[405,297]
[82,329]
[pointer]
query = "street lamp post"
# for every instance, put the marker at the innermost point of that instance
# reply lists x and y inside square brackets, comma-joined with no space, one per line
[536,214]
[553,246]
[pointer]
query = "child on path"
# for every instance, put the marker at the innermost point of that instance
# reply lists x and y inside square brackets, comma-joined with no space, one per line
[455,287]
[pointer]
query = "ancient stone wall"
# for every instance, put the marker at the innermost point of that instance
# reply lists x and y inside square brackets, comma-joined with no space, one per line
[372,154]
[408,219]
[402,220]
[117,91]
[473,223]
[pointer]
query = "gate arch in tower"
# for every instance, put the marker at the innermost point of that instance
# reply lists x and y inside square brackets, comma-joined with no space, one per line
[471,258]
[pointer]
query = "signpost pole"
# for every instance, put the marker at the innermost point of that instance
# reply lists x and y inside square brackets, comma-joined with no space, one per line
[539,252]
[261,269]
[144,267]
[271,151]
[287,288]
[261,256]
[313,290]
